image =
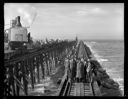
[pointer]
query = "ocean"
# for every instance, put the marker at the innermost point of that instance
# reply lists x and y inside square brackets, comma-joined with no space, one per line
[110,54]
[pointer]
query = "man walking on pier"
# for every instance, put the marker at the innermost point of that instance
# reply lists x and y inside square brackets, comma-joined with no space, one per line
[73,68]
[80,71]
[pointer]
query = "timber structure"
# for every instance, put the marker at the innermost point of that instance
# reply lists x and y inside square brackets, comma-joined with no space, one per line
[83,74]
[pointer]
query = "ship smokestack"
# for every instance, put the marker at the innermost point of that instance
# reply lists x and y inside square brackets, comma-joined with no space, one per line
[18,21]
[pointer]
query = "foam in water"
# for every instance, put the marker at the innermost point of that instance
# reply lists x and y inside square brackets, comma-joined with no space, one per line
[100,59]
[93,42]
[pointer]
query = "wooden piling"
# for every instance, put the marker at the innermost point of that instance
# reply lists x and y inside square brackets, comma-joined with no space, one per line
[23,63]
[34,67]
[42,65]
[38,78]
[17,76]
[31,73]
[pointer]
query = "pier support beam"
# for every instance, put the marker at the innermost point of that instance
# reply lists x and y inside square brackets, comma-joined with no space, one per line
[23,63]
[38,64]
[31,72]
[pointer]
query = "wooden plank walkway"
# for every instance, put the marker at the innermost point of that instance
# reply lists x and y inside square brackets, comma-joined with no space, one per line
[81,89]
[88,89]
[73,89]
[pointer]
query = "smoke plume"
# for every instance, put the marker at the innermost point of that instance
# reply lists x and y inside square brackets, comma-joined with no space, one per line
[25,11]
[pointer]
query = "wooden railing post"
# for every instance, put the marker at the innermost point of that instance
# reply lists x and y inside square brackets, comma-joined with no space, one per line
[42,66]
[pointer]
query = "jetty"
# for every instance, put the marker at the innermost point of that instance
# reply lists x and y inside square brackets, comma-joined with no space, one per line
[82,74]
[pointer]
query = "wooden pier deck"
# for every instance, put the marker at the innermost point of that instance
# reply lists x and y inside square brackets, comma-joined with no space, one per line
[25,70]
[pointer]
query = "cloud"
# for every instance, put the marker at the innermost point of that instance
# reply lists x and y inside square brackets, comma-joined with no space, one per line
[88,11]
[25,11]
[97,11]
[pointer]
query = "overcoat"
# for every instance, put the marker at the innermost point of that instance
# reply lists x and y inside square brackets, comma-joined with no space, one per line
[80,70]
[73,68]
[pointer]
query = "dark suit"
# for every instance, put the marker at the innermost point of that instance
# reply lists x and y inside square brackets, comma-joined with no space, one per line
[80,71]
[73,68]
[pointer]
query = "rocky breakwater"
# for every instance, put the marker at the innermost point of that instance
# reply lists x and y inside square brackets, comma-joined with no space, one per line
[104,81]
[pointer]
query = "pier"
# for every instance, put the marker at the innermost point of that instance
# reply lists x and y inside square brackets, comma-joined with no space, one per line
[83,75]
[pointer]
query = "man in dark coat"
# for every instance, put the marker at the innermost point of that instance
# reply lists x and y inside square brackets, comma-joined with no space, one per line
[80,71]
[73,68]
[85,72]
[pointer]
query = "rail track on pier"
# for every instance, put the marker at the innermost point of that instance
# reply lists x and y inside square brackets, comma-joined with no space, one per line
[83,88]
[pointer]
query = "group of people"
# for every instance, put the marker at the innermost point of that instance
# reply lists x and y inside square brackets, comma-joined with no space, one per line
[77,69]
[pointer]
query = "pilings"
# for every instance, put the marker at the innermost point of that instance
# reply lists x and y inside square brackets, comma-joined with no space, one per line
[27,69]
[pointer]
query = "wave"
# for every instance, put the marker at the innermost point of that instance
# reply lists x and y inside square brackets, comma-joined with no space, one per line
[120,81]
[94,52]
[103,60]
[92,42]
[110,71]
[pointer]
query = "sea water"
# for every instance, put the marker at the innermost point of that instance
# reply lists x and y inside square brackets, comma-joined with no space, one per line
[110,54]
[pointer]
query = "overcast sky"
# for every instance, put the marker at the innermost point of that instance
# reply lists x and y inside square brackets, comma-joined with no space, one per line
[67,20]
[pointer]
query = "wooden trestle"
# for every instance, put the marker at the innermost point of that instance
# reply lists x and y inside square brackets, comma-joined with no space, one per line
[20,71]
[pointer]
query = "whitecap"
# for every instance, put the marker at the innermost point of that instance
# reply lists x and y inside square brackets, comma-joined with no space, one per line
[103,60]
[92,42]
[111,71]
[119,80]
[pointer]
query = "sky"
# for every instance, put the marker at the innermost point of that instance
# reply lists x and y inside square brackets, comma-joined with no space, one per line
[68,20]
